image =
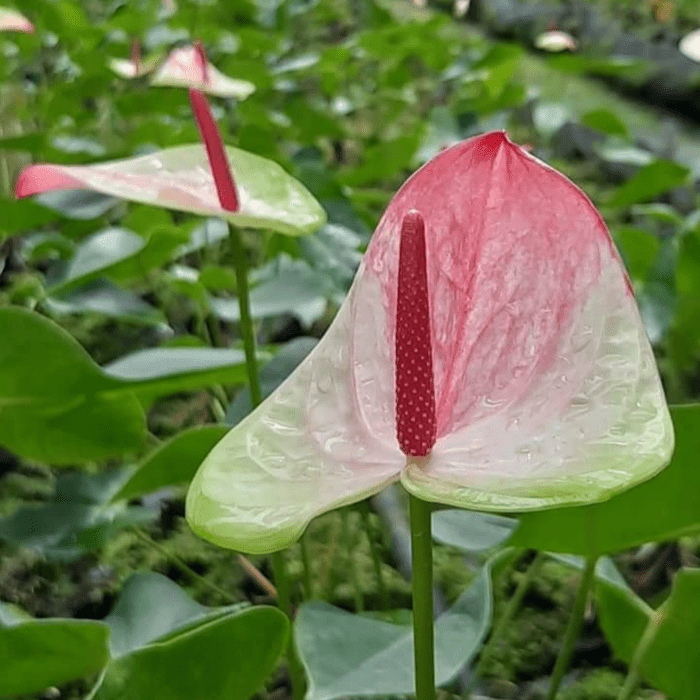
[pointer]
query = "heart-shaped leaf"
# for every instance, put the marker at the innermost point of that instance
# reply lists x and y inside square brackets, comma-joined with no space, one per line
[348,655]
[37,654]
[470,530]
[174,462]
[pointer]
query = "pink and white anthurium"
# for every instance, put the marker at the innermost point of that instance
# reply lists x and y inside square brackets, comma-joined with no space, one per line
[14,21]
[189,67]
[490,355]
[136,66]
[185,179]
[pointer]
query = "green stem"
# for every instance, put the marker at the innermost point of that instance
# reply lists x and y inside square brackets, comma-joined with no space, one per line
[347,538]
[509,613]
[374,552]
[422,573]
[573,629]
[634,674]
[296,672]
[306,568]
[282,583]
[180,564]
[246,322]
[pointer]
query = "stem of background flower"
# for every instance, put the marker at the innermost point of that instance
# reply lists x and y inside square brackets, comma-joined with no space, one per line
[573,629]
[306,568]
[376,559]
[282,584]
[180,564]
[422,558]
[508,614]
[645,641]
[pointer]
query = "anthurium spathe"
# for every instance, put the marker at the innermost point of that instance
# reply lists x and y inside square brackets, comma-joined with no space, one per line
[188,67]
[14,21]
[182,178]
[490,355]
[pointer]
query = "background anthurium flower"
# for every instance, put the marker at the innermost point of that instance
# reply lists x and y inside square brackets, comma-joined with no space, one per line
[545,387]
[181,178]
[14,21]
[188,66]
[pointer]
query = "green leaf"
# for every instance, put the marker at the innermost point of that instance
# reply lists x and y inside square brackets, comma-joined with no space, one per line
[347,655]
[295,289]
[652,180]
[271,376]
[638,248]
[671,662]
[151,607]
[604,120]
[165,645]
[37,654]
[118,254]
[471,531]
[633,517]
[174,462]
[77,519]
[56,405]
[160,371]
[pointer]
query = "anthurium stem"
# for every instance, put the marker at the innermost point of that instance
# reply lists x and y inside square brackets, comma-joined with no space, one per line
[422,558]
[306,567]
[246,322]
[240,266]
[573,629]
[509,613]
[376,559]
[180,564]
[634,674]
[296,672]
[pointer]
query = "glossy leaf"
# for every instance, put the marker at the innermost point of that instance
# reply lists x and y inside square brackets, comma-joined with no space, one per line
[672,660]
[174,462]
[347,655]
[630,518]
[107,299]
[180,178]
[295,289]
[68,411]
[471,531]
[37,654]
[161,371]
[546,389]
[77,519]
[654,179]
[165,645]
[151,607]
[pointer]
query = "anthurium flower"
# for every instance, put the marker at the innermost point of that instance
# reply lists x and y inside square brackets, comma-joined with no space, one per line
[183,178]
[14,21]
[135,67]
[188,67]
[490,355]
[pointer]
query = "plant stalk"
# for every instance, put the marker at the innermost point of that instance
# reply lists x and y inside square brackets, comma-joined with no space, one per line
[573,629]
[422,562]
[508,614]
[180,564]
[240,267]
[247,329]
[648,636]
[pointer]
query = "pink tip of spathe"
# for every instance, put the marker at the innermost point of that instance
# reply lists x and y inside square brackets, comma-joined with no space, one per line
[223,179]
[202,60]
[416,425]
[35,179]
